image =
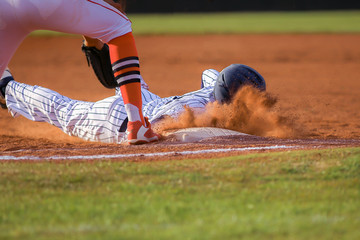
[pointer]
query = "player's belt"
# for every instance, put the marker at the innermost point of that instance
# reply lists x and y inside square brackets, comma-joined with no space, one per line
[123,126]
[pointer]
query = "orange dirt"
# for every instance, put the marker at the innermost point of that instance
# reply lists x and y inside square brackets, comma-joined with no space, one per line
[315,79]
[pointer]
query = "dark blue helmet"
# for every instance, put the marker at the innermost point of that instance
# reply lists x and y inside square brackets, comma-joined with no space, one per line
[232,78]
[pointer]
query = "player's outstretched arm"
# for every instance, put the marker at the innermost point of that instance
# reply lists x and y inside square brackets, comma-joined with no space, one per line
[90,121]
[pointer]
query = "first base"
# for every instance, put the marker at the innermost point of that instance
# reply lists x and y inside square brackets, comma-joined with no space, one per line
[199,133]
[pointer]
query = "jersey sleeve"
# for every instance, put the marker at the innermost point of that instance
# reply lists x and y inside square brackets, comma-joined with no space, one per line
[209,77]
[175,105]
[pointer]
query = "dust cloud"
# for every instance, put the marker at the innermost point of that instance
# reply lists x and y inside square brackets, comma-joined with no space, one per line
[250,112]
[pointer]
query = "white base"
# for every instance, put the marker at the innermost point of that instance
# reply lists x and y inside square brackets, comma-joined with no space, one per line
[198,133]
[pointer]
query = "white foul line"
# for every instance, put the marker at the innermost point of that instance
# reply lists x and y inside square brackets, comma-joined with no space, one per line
[160,154]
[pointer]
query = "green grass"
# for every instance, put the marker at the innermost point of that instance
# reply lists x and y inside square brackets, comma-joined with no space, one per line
[242,22]
[273,22]
[288,195]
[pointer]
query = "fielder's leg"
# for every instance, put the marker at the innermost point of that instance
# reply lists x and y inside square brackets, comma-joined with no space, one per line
[126,67]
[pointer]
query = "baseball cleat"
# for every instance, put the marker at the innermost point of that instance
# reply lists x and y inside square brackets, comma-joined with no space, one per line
[5,79]
[140,134]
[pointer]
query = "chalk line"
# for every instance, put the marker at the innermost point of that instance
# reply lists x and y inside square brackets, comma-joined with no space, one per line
[159,154]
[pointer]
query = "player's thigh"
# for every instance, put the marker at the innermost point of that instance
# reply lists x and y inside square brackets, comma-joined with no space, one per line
[93,18]
[11,33]
[8,48]
[104,21]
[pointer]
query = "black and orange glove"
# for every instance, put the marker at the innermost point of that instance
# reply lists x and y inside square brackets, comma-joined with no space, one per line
[101,64]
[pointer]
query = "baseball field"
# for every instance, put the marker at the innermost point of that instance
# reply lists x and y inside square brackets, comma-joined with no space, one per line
[295,176]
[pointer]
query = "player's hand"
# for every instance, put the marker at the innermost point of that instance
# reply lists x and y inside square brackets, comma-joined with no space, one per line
[118,4]
[93,42]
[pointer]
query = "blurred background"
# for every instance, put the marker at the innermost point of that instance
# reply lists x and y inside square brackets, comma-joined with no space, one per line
[166,6]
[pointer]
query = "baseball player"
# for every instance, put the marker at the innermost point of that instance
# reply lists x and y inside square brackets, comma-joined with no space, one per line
[100,22]
[106,120]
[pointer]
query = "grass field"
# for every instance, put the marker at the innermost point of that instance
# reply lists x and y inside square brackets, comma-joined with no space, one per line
[272,22]
[289,195]
[238,22]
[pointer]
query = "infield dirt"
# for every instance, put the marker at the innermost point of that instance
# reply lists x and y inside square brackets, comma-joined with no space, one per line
[314,78]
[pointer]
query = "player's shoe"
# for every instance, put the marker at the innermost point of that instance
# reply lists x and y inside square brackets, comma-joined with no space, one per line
[5,79]
[140,134]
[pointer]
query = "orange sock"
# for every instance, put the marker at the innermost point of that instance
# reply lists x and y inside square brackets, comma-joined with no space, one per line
[126,67]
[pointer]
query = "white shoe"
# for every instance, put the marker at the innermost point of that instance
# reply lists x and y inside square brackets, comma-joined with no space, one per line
[140,134]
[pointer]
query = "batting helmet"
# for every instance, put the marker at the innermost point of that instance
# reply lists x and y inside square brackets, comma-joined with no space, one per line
[232,78]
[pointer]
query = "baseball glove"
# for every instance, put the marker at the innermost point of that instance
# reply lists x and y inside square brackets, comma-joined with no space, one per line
[101,64]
